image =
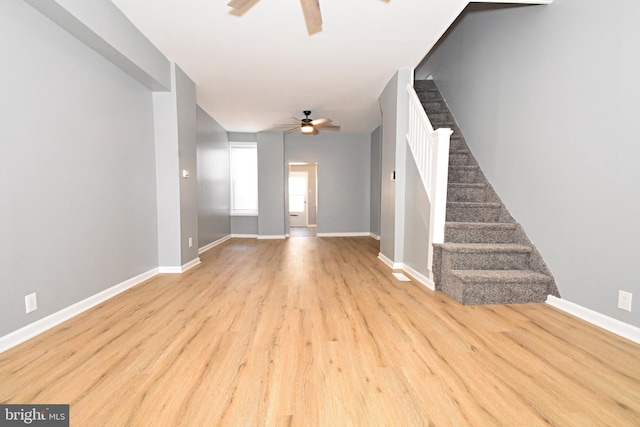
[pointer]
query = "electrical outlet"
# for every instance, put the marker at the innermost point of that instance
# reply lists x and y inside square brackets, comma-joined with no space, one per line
[190,241]
[30,303]
[624,300]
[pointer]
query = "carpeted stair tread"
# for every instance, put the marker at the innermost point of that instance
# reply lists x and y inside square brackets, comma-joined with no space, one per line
[459,157]
[467,185]
[489,205]
[464,167]
[473,212]
[457,143]
[467,192]
[501,276]
[484,225]
[485,247]
[480,232]
[465,173]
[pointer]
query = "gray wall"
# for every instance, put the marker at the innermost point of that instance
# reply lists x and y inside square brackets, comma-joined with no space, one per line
[186,108]
[243,137]
[103,27]
[547,98]
[271,173]
[175,135]
[167,178]
[244,225]
[213,179]
[394,104]
[344,162]
[389,105]
[375,179]
[77,180]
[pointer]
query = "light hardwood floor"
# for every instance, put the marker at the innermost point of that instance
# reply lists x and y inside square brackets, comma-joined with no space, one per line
[316,332]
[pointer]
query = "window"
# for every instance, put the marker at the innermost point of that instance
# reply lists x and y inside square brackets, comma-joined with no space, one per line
[244,178]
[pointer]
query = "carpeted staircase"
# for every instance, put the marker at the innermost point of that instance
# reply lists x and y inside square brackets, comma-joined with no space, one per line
[486,257]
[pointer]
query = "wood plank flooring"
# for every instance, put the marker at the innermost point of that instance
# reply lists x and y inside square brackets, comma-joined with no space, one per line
[316,332]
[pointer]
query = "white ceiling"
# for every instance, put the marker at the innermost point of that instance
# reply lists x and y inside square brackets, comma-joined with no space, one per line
[262,67]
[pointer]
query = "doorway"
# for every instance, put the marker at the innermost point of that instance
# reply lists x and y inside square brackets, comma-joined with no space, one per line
[298,193]
[302,199]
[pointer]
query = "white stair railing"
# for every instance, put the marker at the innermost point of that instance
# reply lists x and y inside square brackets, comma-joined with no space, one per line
[430,149]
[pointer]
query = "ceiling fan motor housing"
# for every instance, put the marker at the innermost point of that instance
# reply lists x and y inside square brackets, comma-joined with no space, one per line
[306,119]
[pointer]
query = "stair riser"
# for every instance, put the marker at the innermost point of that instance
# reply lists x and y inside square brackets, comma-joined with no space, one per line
[428,94]
[471,235]
[487,261]
[464,175]
[466,194]
[459,159]
[457,144]
[439,118]
[468,214]
[487,293]
[434,106]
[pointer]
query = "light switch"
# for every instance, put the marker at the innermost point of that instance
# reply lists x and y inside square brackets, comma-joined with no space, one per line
[185,173]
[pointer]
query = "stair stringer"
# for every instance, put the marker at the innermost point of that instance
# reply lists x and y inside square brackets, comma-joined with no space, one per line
[511,271]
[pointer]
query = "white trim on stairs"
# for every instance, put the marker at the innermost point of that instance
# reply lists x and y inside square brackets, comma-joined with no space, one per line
[610,324]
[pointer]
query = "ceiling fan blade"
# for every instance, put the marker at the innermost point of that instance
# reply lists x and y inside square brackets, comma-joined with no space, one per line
[296,120]
[295,129]
[320,121]
[330,127]
[312,15]
[238,4]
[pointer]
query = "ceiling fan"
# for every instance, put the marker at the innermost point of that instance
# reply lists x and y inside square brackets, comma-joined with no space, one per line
[309,126]
[310,8]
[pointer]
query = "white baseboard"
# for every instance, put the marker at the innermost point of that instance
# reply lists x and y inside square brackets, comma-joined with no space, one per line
[213,244]
[421,278]
[392,265]
[244,236]
[271,237]
[312,225]
[46,323]
[356,234]
[191,264]
[605,322]
[374,236]
[179,269]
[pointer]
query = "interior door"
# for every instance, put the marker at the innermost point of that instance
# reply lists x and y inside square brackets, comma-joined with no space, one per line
[298,199]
